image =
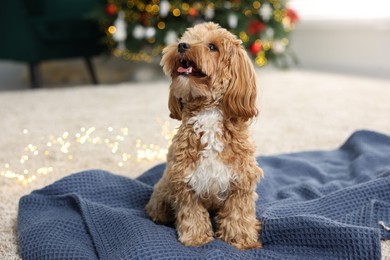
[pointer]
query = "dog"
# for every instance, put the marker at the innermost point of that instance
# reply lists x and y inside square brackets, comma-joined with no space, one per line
[211,168]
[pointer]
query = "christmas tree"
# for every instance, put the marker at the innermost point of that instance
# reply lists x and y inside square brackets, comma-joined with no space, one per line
[139,30]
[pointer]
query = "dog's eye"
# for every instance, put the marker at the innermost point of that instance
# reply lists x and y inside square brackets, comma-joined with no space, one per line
[212,47]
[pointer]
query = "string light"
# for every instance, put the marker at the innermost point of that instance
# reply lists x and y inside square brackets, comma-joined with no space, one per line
[115,141]
[176,12]
[161,25]
[112,29]
[142,56]
[256,4]
[185,6]
[261,60]
[244,36]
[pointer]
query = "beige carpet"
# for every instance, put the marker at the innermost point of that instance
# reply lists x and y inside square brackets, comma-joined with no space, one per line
[50,133]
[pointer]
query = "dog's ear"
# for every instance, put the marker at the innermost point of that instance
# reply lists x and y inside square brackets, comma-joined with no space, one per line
[175,106]
[240,98]
[168,59]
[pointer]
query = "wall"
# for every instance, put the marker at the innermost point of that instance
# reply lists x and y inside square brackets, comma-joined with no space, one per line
[349,36]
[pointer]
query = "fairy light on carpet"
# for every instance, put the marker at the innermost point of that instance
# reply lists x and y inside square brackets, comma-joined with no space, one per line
[115,143]
[149,152]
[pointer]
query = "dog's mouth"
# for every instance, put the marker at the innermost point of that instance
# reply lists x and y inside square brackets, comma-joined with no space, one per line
[189,68]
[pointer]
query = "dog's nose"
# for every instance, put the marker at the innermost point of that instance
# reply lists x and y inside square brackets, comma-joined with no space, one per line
[183,47]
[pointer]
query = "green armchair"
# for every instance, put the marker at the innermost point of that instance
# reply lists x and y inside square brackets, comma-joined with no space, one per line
[34,31]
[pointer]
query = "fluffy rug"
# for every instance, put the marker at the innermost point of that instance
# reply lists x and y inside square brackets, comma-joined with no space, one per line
[125,129]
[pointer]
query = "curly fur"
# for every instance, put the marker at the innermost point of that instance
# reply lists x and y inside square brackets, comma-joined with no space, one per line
[210,164]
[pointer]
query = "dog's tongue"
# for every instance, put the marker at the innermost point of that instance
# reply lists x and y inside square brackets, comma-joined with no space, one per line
[185,70]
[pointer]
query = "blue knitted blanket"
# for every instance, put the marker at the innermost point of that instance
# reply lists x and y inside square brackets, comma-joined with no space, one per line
[313,205]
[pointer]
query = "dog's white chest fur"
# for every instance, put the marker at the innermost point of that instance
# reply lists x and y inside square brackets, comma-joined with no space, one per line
[210,176]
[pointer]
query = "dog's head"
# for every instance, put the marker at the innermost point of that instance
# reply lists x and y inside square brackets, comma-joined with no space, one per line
[209,63]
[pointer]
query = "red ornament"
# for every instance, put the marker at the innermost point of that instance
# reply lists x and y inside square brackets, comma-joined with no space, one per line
[255,47]
[193,12]
[255,27]
[292,15]
[111,9]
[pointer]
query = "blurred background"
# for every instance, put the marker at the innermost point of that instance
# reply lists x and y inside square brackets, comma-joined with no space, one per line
[349,36]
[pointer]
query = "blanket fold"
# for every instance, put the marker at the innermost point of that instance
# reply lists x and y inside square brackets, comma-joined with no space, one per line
[313,205]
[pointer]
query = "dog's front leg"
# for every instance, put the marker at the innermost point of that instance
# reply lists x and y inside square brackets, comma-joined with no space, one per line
[192,219]
[159,206]
[236,220]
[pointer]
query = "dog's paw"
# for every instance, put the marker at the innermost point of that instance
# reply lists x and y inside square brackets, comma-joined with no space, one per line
[243,244]
[195,232]
[241,241]
[241,236]
[160,213]
[198,240]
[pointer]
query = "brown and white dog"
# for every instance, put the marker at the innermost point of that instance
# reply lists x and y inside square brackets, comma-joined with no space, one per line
[210,165]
